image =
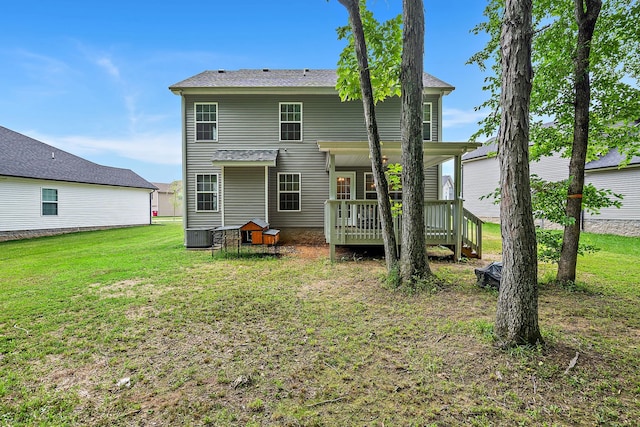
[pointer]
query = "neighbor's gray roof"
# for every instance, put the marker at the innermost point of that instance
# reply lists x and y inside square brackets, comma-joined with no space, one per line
[26,157]
[267,78]
[611,160]
[244,155]
[487,147]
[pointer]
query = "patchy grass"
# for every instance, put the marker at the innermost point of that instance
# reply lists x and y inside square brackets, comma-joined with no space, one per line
[126,327]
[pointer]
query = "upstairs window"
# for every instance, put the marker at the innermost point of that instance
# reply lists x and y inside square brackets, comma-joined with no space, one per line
[207,193]
[49,201]
[291,121]
[206,122]
[288,192]
[426,121]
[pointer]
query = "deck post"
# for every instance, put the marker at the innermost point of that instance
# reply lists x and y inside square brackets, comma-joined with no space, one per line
[458,206]
[331,213]
[332,176]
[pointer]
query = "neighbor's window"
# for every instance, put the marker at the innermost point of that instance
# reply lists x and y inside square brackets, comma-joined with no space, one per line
[370,189]
[49,201]
[426,121]
[206,122]
[288,191]
[291,121]
[207,192]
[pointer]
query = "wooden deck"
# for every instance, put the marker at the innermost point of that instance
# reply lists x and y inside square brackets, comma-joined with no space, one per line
[357,222]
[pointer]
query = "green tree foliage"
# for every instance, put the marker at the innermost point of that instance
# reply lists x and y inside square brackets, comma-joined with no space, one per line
[359,49]
[394,177]
[176,197]
[587,69]
[549,202]
[614,70]
[384,49]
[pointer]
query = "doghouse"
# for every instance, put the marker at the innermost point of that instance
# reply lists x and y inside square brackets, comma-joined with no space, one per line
[253,230]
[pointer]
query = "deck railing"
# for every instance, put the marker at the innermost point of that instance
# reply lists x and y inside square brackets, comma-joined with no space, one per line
[357,222]
[472,232]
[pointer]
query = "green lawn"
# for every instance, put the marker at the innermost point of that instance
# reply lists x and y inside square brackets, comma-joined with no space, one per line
[126,327]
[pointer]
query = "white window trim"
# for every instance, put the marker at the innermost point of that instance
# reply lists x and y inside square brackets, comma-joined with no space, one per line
[42,202]
[195,122]
[290,192]
[366,190]
[424,138]
[280,104]
[195,189]
[375,192]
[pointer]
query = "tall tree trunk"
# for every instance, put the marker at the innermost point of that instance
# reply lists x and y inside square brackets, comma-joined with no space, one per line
[586,20]
[413,256]
[379,178]
[517,311]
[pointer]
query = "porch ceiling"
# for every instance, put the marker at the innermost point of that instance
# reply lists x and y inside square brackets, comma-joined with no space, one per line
[356,153]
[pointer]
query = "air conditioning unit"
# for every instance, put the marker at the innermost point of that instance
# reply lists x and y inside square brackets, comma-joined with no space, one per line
[198,237]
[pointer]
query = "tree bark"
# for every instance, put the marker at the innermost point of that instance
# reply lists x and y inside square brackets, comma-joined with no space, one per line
[586,20]
[517,310]
[379,178]
[413,256]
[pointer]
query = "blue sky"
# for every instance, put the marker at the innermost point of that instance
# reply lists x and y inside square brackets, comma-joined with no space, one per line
[91,78]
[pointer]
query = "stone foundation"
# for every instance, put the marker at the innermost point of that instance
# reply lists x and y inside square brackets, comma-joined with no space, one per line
[629,228]
[30,234]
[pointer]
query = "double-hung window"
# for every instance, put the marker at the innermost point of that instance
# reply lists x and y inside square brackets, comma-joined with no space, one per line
[207,192]
[288,191]
[370,189]
[291,121]
[49,201]
[206,115]
[426,121]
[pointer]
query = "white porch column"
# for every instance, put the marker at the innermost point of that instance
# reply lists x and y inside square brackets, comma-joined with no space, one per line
[266,194]
[332,176]
[221,195]
[332,196]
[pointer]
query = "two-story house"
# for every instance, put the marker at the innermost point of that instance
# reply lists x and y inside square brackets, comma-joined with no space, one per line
[280,145]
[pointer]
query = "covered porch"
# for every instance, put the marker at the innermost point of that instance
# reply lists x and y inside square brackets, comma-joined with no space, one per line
[355,221]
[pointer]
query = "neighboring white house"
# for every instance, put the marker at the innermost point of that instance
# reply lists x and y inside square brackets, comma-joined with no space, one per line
[481,176]
[45,190]
[606,173]
[448,189]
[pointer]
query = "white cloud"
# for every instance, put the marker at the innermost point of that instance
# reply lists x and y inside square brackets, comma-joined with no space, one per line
[158,148]
[108,65]
[452,117]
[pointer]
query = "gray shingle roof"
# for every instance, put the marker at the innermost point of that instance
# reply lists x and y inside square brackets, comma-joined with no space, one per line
[26,157]
[489,146]
[277,78]
[610,160]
